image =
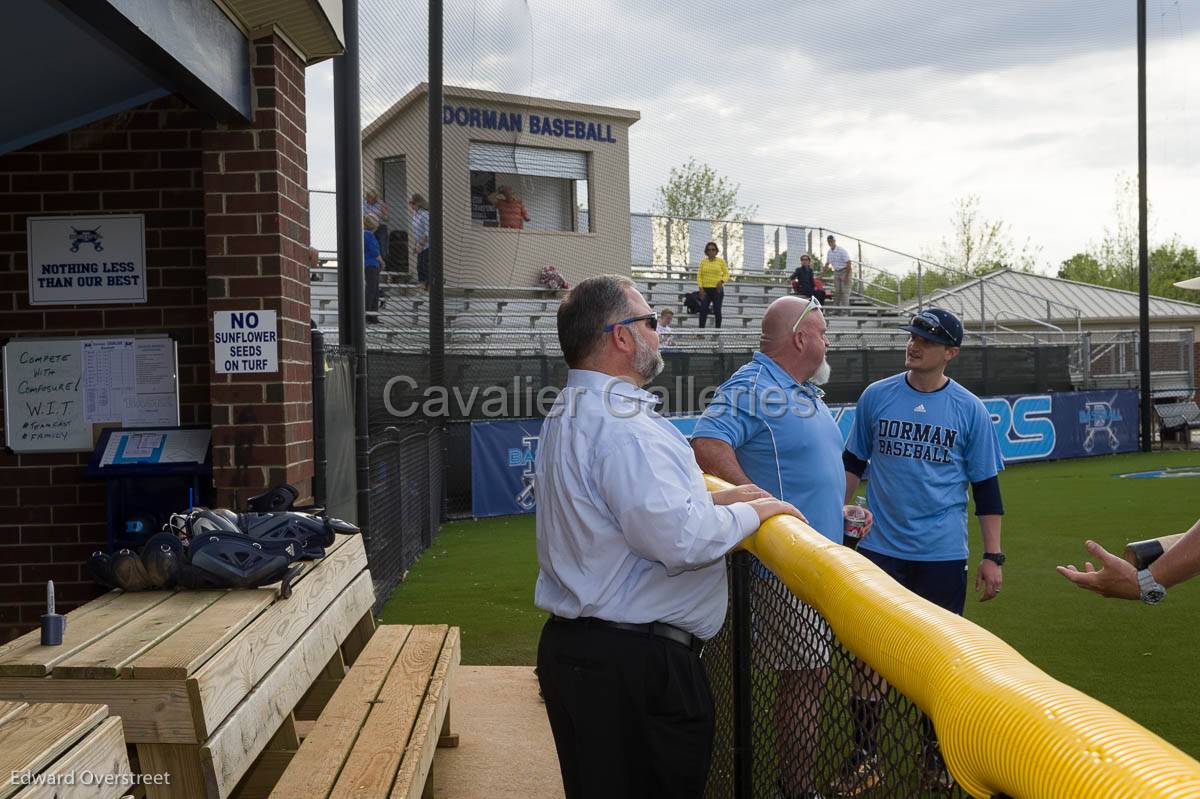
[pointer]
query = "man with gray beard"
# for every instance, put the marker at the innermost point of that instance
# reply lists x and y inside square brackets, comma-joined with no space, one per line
[768,425]
[631,550]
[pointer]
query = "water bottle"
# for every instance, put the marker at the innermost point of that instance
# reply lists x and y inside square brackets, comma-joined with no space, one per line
[856,521]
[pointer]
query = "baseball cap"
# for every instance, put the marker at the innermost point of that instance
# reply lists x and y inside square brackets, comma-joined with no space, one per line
[937,325]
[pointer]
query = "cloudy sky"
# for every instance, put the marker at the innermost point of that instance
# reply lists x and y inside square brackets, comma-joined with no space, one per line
[869,117]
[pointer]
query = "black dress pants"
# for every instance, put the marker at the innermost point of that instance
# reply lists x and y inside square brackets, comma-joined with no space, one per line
[632,714]
[371,275]
[713,297]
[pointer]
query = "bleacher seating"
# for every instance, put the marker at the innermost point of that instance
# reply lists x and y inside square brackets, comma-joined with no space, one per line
[487,318]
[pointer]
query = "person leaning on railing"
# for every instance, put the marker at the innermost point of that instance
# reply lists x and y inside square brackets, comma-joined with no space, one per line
[1118,579]
[768,425]
[631,551]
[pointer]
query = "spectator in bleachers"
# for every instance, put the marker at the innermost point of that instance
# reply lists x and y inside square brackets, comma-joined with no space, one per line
[420,237]
[804,282]
[665,317]
[372,263]
[373,206]
[712,272]
[510,207]
[838,259]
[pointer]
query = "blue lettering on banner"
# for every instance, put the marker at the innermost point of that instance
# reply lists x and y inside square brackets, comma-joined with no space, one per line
[560,127]
[1073,424]
[1023,426]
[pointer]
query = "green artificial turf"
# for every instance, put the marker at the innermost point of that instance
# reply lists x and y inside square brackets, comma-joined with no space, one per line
[1141,660]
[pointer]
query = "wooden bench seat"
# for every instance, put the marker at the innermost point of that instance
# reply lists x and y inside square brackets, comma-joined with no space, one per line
[202,680]
[377,734]
[62,751]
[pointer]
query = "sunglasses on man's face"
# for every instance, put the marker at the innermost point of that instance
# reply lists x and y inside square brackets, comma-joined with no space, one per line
[813,304]
[651,321]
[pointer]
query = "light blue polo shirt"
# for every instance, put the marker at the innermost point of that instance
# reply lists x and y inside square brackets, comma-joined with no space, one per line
[785,439]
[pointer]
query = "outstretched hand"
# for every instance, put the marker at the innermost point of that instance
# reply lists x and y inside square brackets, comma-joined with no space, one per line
[1114,578]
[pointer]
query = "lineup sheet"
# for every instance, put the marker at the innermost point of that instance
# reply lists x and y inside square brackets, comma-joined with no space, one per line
[129,380]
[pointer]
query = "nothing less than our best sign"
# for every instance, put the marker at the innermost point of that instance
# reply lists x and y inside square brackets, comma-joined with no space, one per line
[86,260]
[245,342]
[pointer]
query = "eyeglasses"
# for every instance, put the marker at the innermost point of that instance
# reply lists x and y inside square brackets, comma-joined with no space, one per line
[813,303]
[651,321]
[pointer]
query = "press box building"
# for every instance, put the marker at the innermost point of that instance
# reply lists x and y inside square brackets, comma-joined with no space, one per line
[568,162]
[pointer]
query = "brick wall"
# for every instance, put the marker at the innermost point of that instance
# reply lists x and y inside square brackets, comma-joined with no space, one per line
[226,210]
[257,239]
[148,161]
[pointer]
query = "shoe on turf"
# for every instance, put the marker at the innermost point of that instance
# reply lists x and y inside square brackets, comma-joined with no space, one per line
[859,774]
[934,774]
[783,793]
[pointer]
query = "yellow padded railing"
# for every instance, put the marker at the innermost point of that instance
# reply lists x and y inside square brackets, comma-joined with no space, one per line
[1005,726]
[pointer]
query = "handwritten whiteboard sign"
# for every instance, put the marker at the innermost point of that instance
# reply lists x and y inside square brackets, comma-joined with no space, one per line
[87,260]
[55,389]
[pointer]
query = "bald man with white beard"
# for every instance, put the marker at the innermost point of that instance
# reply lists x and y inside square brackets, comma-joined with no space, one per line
[769,426]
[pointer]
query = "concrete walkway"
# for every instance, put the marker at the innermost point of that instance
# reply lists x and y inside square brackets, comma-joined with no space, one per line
[505,749]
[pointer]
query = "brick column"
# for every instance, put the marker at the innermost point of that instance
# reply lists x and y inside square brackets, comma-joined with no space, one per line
[257,238]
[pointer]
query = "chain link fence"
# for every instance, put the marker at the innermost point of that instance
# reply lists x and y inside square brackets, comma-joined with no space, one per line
[407,505]
[799,716]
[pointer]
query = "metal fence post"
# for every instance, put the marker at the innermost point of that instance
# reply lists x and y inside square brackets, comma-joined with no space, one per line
[725,243]
[776,259]
[318,408]
[920,288]
[668,244]
[743,711]
[982,311]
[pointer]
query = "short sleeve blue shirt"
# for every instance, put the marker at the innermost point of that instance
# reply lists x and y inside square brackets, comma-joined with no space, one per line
[785,439]
[923,448]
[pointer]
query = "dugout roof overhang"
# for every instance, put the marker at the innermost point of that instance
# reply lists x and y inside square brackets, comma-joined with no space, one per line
[65,63]
[1011,295]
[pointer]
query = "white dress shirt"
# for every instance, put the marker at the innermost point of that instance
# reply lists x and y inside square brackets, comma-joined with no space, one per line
[837,258]
[626,530]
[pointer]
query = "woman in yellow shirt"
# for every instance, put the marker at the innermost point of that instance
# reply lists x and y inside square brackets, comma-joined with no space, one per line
[711,277]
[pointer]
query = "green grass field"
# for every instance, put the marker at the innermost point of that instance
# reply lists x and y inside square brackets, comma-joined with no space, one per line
[1140,660]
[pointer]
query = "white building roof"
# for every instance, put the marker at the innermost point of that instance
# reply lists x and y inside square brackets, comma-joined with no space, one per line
[1013,296]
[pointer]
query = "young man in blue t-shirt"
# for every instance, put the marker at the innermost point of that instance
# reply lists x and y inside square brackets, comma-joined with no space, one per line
[926,438]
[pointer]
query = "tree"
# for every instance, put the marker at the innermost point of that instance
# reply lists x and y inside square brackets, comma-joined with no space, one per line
[696,191]
[1083,267]
[980,245]
[1169,263]
[1114,261]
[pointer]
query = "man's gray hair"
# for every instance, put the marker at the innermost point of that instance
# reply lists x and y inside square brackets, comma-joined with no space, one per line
[592,304]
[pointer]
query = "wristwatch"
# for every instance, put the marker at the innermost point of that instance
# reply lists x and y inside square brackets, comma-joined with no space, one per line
[1152,590]
[995,557]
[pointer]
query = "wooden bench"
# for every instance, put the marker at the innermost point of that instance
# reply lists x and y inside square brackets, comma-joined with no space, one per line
[202,680]
[377,734]
[62,751]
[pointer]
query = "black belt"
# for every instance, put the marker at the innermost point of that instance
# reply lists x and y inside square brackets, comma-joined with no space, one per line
[656,628]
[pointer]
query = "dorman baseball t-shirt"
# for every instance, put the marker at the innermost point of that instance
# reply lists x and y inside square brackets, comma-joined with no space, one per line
[923,448]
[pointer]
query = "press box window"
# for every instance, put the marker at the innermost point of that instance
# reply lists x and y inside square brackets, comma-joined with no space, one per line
[533,188]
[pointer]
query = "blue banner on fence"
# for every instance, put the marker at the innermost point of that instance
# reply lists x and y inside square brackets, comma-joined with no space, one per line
[1030,427]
